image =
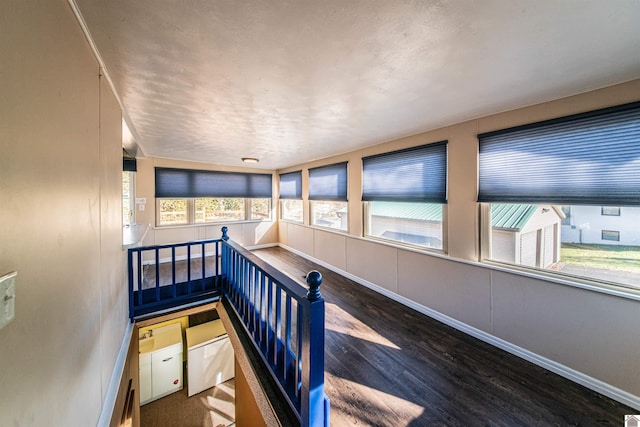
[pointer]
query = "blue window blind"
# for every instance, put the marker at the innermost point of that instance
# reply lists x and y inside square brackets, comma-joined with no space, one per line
[291,185]
[417,174]
[328,182]
[591,159]
[199,183]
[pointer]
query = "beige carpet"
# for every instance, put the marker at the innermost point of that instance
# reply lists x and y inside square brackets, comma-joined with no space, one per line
[211,408]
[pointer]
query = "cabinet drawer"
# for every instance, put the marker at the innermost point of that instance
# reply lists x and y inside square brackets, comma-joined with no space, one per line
[173,350]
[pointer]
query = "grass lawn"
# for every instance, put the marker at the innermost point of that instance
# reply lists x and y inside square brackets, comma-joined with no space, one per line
[612,257]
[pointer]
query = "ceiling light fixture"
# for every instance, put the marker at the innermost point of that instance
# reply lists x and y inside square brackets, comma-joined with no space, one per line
[250,160]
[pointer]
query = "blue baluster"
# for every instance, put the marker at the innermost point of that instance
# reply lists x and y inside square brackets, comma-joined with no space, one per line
[173,271]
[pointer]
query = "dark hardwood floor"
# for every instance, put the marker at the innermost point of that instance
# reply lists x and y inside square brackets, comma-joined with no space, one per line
[388,365]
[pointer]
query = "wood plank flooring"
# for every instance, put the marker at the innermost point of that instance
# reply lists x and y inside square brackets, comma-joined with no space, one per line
[388,365]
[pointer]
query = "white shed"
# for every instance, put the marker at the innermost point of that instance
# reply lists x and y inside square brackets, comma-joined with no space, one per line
[526,234]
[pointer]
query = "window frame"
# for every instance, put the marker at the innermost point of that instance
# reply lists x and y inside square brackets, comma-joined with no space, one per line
[612,233]
[323,189]
[132,198]
[424,170]
[606,144]
[291,191]
[604,208]
[564,277]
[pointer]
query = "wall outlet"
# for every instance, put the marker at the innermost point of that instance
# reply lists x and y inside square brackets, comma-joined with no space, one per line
[7,298]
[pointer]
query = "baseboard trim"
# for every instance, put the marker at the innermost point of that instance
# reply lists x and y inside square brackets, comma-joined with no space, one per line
[594,384]
[109,401]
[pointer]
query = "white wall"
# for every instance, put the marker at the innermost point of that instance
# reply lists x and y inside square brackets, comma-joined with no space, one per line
[591,222]
[588,335]
[60,220]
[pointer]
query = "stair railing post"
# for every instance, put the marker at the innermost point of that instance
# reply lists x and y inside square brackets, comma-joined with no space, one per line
[224,261]
[313,397]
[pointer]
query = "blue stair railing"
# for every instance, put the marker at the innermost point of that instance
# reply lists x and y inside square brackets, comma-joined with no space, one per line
[284,321]
[169,276]
[286,325]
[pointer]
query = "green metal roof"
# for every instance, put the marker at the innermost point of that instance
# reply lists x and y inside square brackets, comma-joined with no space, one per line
[503,216]
[414,211]
[511,217]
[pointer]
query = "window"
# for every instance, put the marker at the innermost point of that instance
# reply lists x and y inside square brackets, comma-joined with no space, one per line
[204,210]
[198,197]
[405,193]
[291,210]
[259,209]
[330,214]
[128,198]
[544,186]
[418,224]
[210,209]
[328,196]
[610,211]
[173,211]
[611,235]
[291,196]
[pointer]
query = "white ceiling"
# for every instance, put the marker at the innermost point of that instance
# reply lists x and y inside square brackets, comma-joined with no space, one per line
[296,80]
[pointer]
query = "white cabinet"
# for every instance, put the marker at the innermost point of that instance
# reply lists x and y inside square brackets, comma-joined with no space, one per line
[145,377]
[160,363]
[210,358]
[166,371]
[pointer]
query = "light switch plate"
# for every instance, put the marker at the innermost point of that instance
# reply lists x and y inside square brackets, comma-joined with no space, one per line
[141,200]
[7,298]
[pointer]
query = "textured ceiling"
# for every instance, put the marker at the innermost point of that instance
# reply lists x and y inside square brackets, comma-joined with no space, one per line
[293,81]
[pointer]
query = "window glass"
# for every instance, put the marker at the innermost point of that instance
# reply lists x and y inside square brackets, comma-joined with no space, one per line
[128,199]
[173,211]
[611,235]
[260,209]
[209,209]
[329,214]
[610,211]
[291,210]
[568,239]
[418,224]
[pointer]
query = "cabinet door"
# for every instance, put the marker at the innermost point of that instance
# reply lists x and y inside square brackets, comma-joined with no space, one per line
[166,370]
[145,378]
